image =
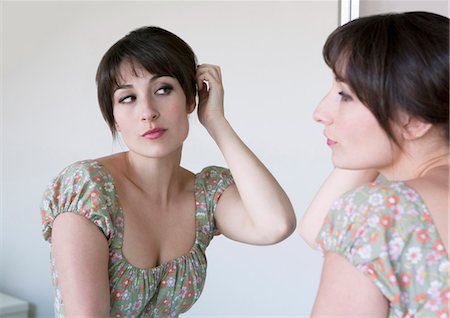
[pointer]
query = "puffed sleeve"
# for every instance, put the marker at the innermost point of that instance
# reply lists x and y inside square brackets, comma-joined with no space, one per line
[84,188]
[214,181]
[359,227]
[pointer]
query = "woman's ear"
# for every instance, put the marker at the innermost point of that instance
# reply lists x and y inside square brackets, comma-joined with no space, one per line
[415,128]
[117,126]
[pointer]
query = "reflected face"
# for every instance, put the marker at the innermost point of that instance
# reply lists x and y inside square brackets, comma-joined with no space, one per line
[356,139]
[150,112]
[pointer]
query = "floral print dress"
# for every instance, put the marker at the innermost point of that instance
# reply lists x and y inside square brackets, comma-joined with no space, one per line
[385,230]
[87,188]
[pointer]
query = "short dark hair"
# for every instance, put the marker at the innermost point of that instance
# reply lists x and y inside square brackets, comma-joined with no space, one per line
[158,51]
[395,62]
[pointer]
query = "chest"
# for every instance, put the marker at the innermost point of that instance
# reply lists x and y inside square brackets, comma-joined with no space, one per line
[155,232]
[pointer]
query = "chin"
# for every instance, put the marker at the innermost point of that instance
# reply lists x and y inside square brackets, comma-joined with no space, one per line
[349,165]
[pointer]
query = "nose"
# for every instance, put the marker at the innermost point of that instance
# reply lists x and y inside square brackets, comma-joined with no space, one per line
[149,112]
[322,113]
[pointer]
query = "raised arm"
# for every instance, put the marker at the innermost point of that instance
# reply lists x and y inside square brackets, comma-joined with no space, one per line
[255,210]
[80,251]
[336,184]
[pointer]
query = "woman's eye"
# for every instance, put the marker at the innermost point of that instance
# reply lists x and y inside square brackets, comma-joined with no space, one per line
[164,90]
[345,97]
[127,99]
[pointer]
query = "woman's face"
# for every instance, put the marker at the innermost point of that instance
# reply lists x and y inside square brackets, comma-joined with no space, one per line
[151,112]
[356,139]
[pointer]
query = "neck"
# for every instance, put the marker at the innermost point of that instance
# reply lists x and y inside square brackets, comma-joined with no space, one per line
[156,177]
[413,165]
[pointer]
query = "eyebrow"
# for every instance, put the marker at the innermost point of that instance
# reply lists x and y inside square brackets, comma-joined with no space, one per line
[125,86]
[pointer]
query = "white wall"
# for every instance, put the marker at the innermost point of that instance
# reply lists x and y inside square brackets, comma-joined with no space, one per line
[270,54]
[369,7]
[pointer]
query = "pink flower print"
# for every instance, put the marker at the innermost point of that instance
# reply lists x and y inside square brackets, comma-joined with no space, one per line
[365,252]
[435,289]
[77,177]
[433,304]
[444,267]
[421,298]
[137,305]
[371,272]
[172,269]
[97,179]
[56,185]
[395,247]
[376,199]
[392,200]
[410,195]
[392,279]
[405,279]
[126,283]
[109,187]
[411,313]
[386,221]
[423,236]
[84,211]
[337,204]
[119,221]
[443,313]
[373,220]
[432,258]
[421,275]
[427,217]
[439,248]
[414,255]
[349,208]
[445,295]
[399,212]
[189,294]
[94,195]
[117,294]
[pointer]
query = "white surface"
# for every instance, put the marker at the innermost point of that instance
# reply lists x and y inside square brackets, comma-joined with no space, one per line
[12,307]
[369,7]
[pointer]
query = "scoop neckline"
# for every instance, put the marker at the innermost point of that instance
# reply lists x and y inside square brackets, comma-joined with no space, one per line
[120,213]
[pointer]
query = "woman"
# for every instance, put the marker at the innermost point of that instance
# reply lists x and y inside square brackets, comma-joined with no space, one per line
[385,241]
[129,231]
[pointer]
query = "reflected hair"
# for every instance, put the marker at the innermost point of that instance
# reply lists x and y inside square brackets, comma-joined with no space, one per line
[394,63]
[154,49]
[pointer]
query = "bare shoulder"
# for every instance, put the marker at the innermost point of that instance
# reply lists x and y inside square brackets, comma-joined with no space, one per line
[114,164]
[113,160]
[434,185]
[434,190]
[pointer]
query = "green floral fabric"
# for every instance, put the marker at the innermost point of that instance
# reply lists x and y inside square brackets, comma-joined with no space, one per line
[385,230]
[87,188]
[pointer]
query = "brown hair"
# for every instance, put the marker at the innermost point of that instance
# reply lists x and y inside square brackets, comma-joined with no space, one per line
[158,51]
[395,62]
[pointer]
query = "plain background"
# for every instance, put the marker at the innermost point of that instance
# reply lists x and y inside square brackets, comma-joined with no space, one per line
[274,76]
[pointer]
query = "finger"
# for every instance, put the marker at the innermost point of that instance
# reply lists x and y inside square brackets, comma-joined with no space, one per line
[212,70]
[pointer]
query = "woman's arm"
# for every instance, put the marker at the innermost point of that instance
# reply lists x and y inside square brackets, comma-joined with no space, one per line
[346,292]
[81,256]
[255,210]
[336,184]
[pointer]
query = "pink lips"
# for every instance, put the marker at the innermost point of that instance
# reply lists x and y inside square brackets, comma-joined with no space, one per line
[155,133]
[331,142]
